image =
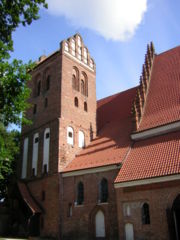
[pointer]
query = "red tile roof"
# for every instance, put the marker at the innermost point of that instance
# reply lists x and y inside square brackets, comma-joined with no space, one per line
[158,156]
[113,140]
[27,198]
[163,99]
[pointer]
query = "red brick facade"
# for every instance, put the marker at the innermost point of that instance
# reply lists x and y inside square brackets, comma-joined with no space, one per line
[63,97]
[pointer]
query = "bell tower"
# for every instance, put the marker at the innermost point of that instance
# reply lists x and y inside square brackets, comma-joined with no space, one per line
[78,99]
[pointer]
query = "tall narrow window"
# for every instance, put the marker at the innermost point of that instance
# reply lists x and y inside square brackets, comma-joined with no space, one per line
[35,153]
[46,147]
[25,158]
[39,88]
[103,190]
[80,193]
[35,109]
[145,214]
[66,47]
[81,139]
[48,82]
[82,87]
[76,104]
[85,55]
[70,135]
[75,78]
[69,210]
[85,107]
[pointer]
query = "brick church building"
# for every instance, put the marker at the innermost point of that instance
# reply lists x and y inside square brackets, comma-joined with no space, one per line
[106,169]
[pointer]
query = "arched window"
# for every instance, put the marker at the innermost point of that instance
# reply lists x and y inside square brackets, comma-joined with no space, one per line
[80,193]
[145,214]
[82,87]
[70,135]
[85,107]
[75,78]
[46,147]
[35,153]
[39,88]
[25,158]
[35,109]
[81,139]
[48,82]
[103,190]
[76,103]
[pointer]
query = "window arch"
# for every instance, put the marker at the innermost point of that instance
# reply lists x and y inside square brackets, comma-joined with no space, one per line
[35,153]
[38,88]
[84,84]
[80,193]
[70,135]
[25,158]
[76,103]
[145,214]
[46,147]
[81,139]
[103,190]
[75,78]
[85,107]
[48,80]
[82,87]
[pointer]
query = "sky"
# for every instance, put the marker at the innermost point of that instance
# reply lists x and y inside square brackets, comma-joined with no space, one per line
[116,32]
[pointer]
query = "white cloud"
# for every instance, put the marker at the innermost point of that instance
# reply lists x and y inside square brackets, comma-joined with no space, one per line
[113,19]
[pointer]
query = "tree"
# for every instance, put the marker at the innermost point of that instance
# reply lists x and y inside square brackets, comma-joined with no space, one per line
[13,77]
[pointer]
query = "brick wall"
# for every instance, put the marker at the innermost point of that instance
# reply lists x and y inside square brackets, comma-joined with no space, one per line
[81,225]
[159,197]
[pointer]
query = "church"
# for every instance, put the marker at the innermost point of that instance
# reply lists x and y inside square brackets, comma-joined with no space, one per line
[106,169]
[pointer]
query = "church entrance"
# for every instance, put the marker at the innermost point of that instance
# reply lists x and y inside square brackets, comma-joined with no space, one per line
[100,225]
[129,232]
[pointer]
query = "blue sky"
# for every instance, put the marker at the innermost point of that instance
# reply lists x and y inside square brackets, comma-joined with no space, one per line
[115,33]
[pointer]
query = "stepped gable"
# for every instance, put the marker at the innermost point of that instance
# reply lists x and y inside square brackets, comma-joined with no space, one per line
[113,140]
[154,157]
[142,91]
[162,103]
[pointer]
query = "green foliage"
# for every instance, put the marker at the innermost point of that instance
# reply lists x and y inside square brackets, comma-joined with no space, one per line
[15,12]
[9,149]
[14,76]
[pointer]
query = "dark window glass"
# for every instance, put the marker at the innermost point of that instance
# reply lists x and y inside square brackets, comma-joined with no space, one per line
[45,168]
[35,109]
[33,172]
[73,81]
[80,193]
[103,190]
[70,134]
[36,140]
[85,106]
[48,82]
[47,135]
[39,88]
[76,102]
[145,214]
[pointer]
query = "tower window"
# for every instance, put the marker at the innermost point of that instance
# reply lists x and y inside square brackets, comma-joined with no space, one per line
[70,137]
[80,193]
[103,190]
[81,139]
[46,151]
[82,87]
[85,106]
[145,214]
[75,78]
[35,109]
[45,102]
[48,82]
[76,104]
[38,88]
